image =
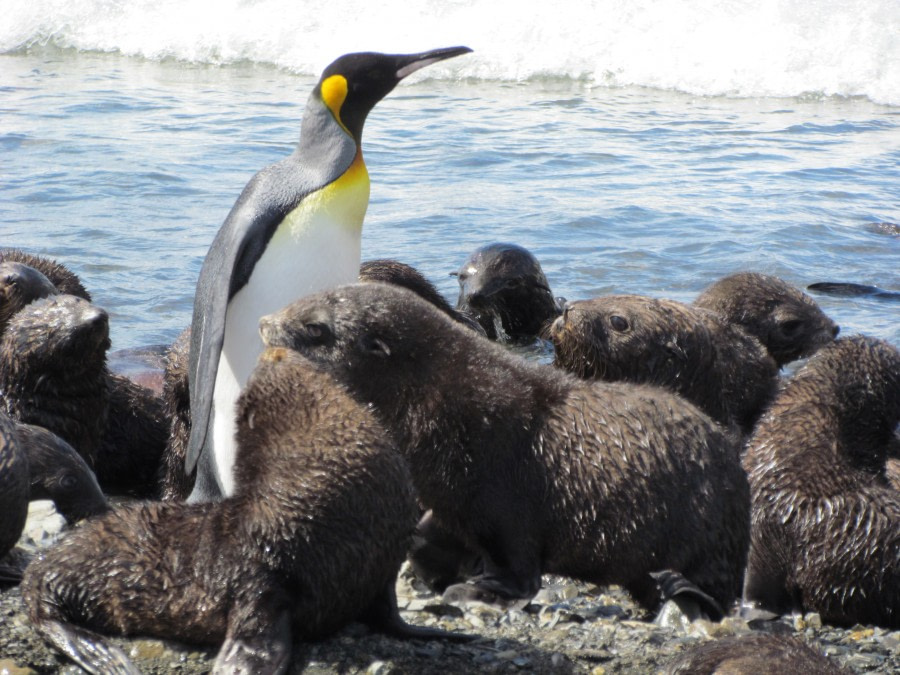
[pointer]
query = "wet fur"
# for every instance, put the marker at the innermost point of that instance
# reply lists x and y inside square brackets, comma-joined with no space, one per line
[695,353]
[784,319]
[755,654]
[537,470]
[826,522]
[312,539]
[64,279]
[504,288]
[53,374]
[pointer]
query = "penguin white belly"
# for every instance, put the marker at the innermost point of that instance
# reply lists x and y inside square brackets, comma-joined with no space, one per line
[316,246]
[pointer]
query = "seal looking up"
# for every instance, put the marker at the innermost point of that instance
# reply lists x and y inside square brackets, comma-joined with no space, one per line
[295,229]
[715,365]
[825,533]
[504,288]
[63,279]
[786,320]
[53,374]
[527,465]
[313,539]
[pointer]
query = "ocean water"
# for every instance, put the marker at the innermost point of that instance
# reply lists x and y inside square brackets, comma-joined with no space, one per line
[648,147]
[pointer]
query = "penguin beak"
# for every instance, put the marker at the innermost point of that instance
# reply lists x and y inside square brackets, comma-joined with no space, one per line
[410,63]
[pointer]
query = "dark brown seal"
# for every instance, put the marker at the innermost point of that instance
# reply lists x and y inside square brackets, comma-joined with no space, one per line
[695,353]
[504,288]
[176,484]
[14,488]
[535,469]
[58,473]
[312,539]
[64,279]
[20,285]
[786,320]
[755,654]
[53,374]
[400,274]
[826,524]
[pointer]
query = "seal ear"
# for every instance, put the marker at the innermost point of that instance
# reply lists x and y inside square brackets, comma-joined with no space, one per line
[374,346]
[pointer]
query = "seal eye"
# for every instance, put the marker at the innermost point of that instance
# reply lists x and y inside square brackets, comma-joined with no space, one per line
[618,323]
[317,332]
[68,481]
[791,327]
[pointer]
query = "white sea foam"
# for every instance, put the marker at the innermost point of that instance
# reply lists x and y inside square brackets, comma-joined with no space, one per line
[710,47]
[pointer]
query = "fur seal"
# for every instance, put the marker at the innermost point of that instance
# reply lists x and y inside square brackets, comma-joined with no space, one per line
[400,274]
[851,290]
[14,489]
[176,483]
[693,352]
[36,464]
[825,522]
[754,654]
[53,374]
[786,320]
[538,471]
[504,288]
[64,279]
[58,473]
[20,285]
[312,539]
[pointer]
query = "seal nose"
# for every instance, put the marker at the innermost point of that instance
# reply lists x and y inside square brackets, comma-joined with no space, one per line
[267,329]
[835,330]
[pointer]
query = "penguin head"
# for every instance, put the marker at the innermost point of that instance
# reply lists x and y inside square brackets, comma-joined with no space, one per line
[352,85]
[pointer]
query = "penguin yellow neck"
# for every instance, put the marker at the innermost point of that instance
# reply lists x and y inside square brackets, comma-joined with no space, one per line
[340,204]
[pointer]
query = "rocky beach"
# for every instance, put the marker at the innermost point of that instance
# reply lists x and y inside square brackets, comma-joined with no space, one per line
[569,627]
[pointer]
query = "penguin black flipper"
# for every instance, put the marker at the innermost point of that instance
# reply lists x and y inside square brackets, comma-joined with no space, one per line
[237,247]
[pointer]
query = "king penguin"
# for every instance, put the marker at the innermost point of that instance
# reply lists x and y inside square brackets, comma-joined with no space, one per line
[294,230]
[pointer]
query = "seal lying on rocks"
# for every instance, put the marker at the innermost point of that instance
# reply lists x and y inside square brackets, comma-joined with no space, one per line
[313,539]
[760,654]
[533,468]
[717,366]
[825,522]
[505,289]
[53,374]
[786,320]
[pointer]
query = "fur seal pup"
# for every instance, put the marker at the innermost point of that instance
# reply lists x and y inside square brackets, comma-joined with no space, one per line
[312,540]
[531,467]
[695,353]
[20,285]
[400,274]
[504,288]
[786,320]
[851,290]
[14,489]
[176,483]
[825,531]
[64,279]
[53,374]
[58,473]
[754,654]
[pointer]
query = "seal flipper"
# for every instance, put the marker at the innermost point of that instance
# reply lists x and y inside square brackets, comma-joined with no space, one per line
[10,575]
[88,649]
[250,648]
[674,586]
[383,616]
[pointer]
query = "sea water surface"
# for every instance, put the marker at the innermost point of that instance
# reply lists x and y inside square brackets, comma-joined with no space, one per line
[648,147]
